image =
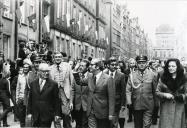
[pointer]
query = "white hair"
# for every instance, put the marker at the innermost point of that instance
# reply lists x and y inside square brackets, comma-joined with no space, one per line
[44,66]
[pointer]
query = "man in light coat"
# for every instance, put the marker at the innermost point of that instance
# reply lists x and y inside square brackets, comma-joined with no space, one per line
[61,72]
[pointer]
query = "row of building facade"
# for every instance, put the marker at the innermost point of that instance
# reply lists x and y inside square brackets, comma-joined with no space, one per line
[81,28]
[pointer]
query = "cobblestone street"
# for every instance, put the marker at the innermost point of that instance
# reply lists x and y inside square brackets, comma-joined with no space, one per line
[16,124]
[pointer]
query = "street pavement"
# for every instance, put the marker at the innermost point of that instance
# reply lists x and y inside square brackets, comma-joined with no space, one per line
[16,124]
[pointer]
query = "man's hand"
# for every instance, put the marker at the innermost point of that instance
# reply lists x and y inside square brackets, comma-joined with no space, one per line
[71,106]
[57,118]
[29,116]
[169,96]
[111,118]
[122,108]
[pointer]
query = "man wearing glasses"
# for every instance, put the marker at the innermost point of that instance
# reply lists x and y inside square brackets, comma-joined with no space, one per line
[44,102]
[140,93]
[101,96]
[120,86]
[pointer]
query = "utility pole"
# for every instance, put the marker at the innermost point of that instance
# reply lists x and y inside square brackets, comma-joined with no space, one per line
[16,31]
[1,25]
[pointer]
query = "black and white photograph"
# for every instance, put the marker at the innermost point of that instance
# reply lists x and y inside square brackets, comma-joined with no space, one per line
[93,63]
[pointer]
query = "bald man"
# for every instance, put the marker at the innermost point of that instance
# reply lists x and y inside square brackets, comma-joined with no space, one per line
[44,102]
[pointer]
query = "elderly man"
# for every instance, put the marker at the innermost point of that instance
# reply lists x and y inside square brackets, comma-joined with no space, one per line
[101,97]
[61,72]
[44,103]
[140,92]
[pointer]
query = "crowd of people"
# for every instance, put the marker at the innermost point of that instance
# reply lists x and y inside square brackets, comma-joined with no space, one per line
[41,89]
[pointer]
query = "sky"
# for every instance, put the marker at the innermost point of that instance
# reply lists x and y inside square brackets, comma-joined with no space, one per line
[152,13]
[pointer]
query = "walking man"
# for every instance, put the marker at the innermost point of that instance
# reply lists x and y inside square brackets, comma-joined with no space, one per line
[61,72]
[120,86]
[101,97]
[140,93]
[44,102]
[81,96]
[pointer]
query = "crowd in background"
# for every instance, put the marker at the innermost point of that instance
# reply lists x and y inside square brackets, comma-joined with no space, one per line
[143,87]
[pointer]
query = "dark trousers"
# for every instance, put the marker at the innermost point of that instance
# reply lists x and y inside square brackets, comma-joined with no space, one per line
[39,123]
[130,108]
[22,113]
[67,121]
[6,108]
[155,114]
[81,118]
[94,122]
[142,118]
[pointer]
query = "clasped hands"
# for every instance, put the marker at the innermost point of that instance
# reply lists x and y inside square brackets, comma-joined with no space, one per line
[178,97]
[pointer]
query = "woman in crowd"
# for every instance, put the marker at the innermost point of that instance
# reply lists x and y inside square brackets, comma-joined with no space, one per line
[172,91]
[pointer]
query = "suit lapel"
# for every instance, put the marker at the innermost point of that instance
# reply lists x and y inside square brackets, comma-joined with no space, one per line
[100,79]
[116,76]
[38,86]
[92,84]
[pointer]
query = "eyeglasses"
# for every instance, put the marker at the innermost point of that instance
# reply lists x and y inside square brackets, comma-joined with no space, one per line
[57,56]
[92,64]
[44,71]
[113,64]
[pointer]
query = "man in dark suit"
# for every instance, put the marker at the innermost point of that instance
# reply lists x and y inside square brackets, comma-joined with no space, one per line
[101,97]
[44,102]
[140,93]
[120,85]
[81,96]
[5,97]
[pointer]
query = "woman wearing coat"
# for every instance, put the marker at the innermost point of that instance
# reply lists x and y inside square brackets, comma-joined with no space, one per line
[172,91]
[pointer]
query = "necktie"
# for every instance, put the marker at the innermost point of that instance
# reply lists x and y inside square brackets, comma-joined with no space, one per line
[94,78]
[41,84]
[58,67]
[111,74]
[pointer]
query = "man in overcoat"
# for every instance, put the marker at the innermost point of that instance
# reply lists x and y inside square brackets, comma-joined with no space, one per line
[101,97]
[44,102]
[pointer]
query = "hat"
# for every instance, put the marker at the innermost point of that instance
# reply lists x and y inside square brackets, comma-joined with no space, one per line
[141,58]
[37,58]
[112,58]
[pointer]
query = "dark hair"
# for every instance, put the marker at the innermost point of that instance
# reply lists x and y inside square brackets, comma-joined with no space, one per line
[63,54]
[100,64]
[167,79]
[87,62]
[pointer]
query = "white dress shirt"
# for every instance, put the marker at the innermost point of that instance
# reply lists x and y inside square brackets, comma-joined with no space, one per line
[98,76]
[114,73]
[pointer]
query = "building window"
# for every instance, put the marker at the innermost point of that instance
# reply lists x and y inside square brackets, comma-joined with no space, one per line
[6,48]
[58,8]
[74,12]
[73,51]
[79,51]
[7,8]
[58,44]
